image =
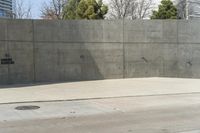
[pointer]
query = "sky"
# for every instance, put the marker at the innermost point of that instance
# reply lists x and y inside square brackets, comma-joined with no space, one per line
[37,5]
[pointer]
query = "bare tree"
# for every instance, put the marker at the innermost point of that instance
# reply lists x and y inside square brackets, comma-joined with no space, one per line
[181,8]
[130,9]
[53,10]
[22,10]
[143,9]
[121,8]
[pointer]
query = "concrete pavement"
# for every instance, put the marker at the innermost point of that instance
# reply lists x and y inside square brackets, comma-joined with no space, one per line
[99,89]
[148,114]
[150,105]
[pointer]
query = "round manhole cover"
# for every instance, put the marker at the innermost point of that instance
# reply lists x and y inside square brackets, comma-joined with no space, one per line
[27,107]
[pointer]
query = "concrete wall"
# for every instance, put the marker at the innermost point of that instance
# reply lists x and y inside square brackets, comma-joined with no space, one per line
[56,51]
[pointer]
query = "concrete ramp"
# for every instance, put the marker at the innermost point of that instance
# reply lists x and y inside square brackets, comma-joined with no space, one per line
[99,90]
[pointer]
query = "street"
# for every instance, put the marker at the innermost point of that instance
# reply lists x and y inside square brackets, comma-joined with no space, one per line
[159,113]
[154,114]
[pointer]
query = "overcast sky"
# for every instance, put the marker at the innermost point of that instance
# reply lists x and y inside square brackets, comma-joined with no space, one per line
[37,5]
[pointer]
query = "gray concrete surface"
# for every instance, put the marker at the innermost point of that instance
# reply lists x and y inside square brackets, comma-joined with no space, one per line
[154,105]
[98,89]
[57,51]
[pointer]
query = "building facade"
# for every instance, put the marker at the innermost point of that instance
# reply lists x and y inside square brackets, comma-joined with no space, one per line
[188,9]
[194,8]
[6,8]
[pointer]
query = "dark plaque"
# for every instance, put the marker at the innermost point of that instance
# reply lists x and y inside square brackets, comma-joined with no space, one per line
[7,61]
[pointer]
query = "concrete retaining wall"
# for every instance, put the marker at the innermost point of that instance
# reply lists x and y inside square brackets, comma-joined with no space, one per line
[56,51]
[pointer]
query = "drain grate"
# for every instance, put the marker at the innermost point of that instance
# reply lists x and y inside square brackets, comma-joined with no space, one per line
[27,107]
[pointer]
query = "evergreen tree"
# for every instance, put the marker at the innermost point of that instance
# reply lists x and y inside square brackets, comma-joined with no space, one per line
[85,9]
[70,9]
[166,10]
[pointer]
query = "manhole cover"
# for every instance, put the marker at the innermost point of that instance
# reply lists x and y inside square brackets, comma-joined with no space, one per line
[27,107]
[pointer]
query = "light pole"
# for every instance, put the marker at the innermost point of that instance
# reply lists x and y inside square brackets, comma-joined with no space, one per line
[187,9]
